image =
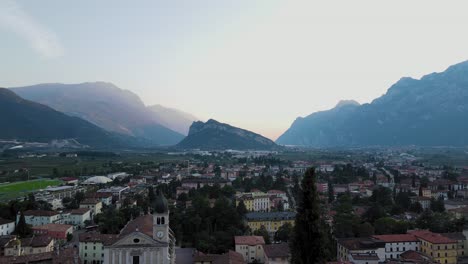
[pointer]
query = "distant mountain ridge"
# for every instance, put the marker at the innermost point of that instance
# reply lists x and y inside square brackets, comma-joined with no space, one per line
[104,105]
[213,135]
[174,119]
[432,111]
[25,120]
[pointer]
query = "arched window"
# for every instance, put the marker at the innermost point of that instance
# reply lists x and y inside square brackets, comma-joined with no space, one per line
[158,221]
[162,220]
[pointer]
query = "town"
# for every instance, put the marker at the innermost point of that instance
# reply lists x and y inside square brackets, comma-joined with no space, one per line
[237,207]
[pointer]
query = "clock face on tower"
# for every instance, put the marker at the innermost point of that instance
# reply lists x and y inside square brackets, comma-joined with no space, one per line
[160,234]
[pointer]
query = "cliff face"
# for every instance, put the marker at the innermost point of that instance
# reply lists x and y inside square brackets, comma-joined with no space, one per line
[215,135]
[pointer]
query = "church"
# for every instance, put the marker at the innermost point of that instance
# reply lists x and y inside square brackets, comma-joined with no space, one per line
[145,240]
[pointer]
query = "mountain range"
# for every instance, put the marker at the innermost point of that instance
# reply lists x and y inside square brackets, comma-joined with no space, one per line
[213,135]
[25,120]
[111,108]
[431,111]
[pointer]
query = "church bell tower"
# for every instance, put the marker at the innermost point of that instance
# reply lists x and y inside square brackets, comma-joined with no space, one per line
[161,219]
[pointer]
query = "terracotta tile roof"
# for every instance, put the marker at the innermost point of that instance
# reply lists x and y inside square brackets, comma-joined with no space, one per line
[4,240]
[6,221]
[430,237]
[35,241]
[277,250]
[40,213]
[65,256]
[79,211]
[360,243]
[397,238]
[249,240]
[53,227]
[455,235]
[105,239]
[69,179]
[415,256]
[365,256]
[142,223]
[230,257]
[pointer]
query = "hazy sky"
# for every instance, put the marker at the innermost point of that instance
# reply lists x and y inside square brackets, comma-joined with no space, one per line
[253,64]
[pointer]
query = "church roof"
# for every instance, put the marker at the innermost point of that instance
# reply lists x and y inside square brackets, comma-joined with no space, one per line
[143,224]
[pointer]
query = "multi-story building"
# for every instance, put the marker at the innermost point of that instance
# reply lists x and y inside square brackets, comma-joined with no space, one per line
[440,248]
[40,217]
[272,221]
[93,204]
[29,246]
[462,243]
[248,201]
[348,246]
[77,217]
[55,231]
[425,202]
[251,248]
[397,244]
[104,197]
[255,201]
[6,227]
[277,253]
[92,246]
[364,258]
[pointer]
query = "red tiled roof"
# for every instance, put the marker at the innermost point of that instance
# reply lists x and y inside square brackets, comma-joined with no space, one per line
[79,211]
[276,250]
[105,239]
[365,256]
[143,223]
[66,256]
[39,213]
[69,179]
[430,237]
[418,257]
[230,257]
[6,221]
[53,227]
[397,238]
[249,240]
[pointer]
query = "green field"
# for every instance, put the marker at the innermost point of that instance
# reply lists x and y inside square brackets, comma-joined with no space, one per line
[18,189]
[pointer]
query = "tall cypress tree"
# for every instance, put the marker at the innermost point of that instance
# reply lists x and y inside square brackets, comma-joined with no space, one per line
[22,229]
[311,238]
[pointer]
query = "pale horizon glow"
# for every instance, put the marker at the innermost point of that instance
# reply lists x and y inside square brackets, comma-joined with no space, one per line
[254,64]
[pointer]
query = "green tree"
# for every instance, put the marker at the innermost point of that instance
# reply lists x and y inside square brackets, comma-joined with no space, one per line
[310,241]
[241,209]
[23,229]
[365,230]
[331,195]
[262,231]
[437,205]
[345,219]
[283,233]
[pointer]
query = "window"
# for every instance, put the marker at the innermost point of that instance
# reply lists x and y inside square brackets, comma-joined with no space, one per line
[136,240]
